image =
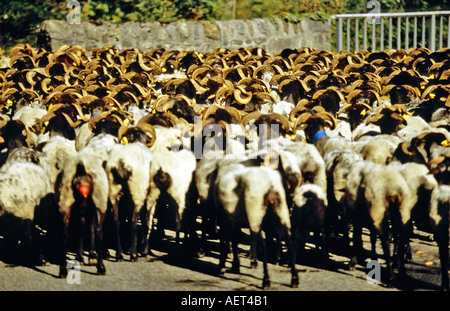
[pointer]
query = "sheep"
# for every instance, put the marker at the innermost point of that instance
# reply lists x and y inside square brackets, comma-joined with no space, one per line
[128,170]
[204,177]
[374,194]
[439,215]
[81,193]
[25,189]
[423,147]
[14,134]
[30,116]
[440,167]
[380,149]
[308,215]
[338,163]
[57,149]
[310,162]
[171,180]
[250,195]
[421,184]
[207,169]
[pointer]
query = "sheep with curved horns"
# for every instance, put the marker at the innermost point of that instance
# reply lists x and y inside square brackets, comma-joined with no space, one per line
[82,196]
[26,191]
[171,180]
[439,212]
[251,195]
[374,194]
[338,163]
[128,170]
[309,215]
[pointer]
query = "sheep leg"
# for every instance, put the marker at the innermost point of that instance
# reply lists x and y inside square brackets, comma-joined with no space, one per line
[119,251]
[134,221]
[226,229]
[62,233]
[385,244]
[224,248]
[101,270]
[257,236]
[80,239]
[403,245]
[93,258]
[442,243]
[292,257]
[98,224]
[31,245]
[143,241]
[149,223]
[235,246]
[321,241]
[357,245]
[373,243]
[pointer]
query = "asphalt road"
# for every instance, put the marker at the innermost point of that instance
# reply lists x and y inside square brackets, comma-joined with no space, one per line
[166,269]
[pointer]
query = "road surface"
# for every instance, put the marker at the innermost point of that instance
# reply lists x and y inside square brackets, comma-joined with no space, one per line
[166,269]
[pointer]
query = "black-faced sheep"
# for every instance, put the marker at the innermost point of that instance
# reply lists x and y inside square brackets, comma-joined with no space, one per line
[82,196]
[440,222]
[249,196]
[171,177]
[128,170]
[24,188]
[375,194]
[308,215]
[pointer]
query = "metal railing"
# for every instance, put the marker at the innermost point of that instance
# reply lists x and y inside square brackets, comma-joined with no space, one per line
[425,26]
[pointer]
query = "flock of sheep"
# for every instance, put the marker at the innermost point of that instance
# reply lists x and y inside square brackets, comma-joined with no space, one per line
[100,147]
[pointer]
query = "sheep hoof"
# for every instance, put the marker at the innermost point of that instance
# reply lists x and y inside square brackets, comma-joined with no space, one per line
[101,270]
[266,284]
[222,270]
[92,261]
[133,258]
[200,254]
[80,260]
[62,272]
[294,282]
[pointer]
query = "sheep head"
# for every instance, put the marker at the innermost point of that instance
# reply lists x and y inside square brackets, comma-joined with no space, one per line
[356,112]
[390,119]
[440,168]
[419,149]
[143,132]
[330,99]
[314,122]
[14,134]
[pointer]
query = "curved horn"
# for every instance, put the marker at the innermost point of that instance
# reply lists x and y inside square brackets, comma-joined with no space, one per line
[238,95]
[249,117]
[148,128]
[70,121]
[301,119]
[327,117]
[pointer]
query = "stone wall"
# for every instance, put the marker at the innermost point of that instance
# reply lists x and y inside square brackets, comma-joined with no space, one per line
[273,35]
